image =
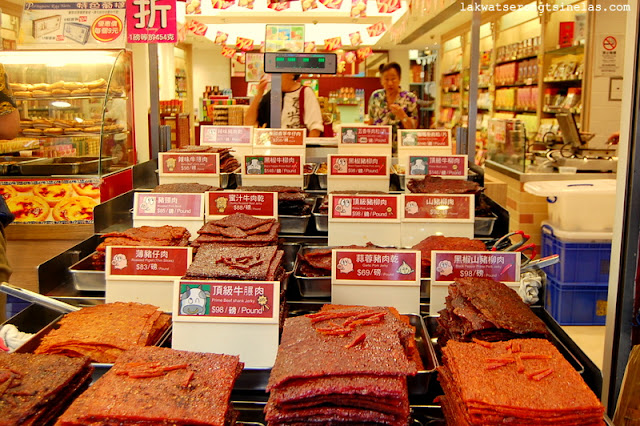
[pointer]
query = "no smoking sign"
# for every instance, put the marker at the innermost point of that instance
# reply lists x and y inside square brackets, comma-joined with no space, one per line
[609,43]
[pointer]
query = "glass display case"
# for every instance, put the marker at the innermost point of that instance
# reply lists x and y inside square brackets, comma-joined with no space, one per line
[507,143]
[73,104]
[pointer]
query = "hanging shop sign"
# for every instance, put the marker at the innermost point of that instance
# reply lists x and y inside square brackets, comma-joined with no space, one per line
[290,37]
[151,21]
[72,25]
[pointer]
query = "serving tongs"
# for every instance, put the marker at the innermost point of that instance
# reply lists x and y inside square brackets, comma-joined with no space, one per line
[36,298]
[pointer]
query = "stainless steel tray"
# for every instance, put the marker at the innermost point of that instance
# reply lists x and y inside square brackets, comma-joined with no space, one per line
[290,255]
[85,277]
[483,226]
[293,224]
[307,176]
[63,166]
[312,286]
[321,219]
[399,178]
[9,165]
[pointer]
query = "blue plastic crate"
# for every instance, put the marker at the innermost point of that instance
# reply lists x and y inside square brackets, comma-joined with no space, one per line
[580,262]
[15,305]
[576,304]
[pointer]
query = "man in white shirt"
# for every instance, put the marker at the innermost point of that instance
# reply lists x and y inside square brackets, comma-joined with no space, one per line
[293,116]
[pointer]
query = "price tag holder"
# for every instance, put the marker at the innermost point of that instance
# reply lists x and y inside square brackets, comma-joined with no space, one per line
[446,266]
[423,142]
[423,215]
[237,137]
[358,172]
[230,317]
[158,209]
[266,170]
[359,139]
[198,167]
[359,219]
[144,274]
[445,166]
[224,203]
[376,278]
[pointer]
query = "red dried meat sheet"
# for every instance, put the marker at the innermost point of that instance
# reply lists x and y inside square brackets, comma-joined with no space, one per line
[233,232]
[34,388]
[438,185]
[103,332]
[276,263]
[239,220]
[210,229]
[305,353]
[440,242]
[184,188]
[271,236]
[526,381]
[274,415]
[222,262]
[262,229]
[165,232]
[155,385]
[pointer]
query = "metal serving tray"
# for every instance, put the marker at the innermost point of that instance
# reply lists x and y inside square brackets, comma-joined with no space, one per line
[307,176]
[256,379]
[483,226]
[85,277]
[399,178]
[63,166]
[312,286]
[9,165]
[321,219]
[293,224]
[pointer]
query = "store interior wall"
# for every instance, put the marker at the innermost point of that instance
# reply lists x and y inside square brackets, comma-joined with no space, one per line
[142,96]
[166,71]
[604,113]
[401,56]
[210,68]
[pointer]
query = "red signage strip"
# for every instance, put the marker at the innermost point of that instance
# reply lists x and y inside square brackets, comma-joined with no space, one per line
[424,138]
[363,207]
[189,163]
[151,21]
[225,135]
[438,207]
[443,165]
[147,261]
[358,165]
[188,206]
[228,299]
[273,165]
[366,135]
[278,137]
[376,265]
[223,203]
[500,266]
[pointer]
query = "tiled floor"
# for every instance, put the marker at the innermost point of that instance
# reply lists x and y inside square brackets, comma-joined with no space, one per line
[590,339]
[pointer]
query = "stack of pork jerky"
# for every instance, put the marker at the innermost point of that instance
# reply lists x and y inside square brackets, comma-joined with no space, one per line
[480,308]
[238,229]
[341,366]
[35,389]
[292,201]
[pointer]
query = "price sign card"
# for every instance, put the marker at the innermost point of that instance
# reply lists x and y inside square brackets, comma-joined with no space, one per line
[242,315]
[358,172]
[436,214]
[278,137]
[226,135]
[447,166]
[438,208]
[144,274]
[272,170]
[376,278]
[156,209]
[447,266]
[426,138]
[365,135]
[187,164]
[224,203]
[358,219]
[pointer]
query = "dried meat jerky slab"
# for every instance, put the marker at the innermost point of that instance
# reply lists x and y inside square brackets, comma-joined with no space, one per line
[191,389]
[276,263]
[271,236]
[162,233]
[273,188]
[103,332]
[500,305]
[249,263]
[304,352]
[191,188]
[510,390]
[241,220]
[262,229]
[211,229]
[193,148]
[34,388]
[332,414]
[233,232]
[438,185]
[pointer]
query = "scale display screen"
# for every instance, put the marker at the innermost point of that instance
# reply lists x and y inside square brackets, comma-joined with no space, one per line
[300,63]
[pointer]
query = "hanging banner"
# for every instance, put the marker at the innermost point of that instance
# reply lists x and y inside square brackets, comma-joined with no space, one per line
[197,28]
[332,4]
[278,5]
[193,7]
[221,38]
[151,21]
[309,4]
[376,29]
[350,57]
[290,37]
[248,4]
[310,47]
[73,25]
[388,6]
[244,44]
[364,52]
[228,52]
[332,44]
[358,8]
[222,4]
[355,39]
